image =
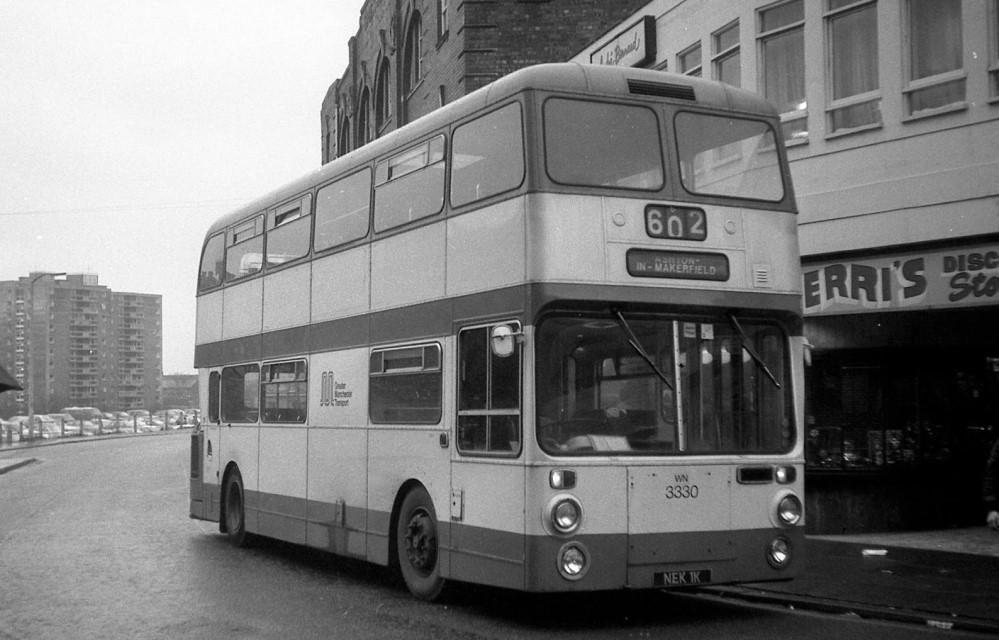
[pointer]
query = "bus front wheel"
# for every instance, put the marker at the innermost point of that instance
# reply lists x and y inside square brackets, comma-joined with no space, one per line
[417,546]
[235,513]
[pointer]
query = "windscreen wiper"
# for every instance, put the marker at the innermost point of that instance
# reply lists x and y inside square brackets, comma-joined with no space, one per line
[637,346]
[752,352]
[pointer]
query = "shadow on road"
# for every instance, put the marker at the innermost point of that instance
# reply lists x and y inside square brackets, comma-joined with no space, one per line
[564,611]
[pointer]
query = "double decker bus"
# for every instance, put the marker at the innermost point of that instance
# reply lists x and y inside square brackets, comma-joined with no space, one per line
[546,338]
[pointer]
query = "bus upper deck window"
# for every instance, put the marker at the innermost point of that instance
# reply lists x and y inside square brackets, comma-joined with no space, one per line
[245,249]
[212,263]
[488,156]
[602,144]
[288,228]
[726,156]
[410,185]
[342,209]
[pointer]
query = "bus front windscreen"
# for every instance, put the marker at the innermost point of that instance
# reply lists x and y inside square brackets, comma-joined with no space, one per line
[661,385]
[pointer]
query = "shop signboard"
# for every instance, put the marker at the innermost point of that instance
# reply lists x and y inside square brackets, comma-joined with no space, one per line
[633,47]
[932,279]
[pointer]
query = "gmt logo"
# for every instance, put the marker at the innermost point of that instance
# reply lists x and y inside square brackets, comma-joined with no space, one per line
[334,393]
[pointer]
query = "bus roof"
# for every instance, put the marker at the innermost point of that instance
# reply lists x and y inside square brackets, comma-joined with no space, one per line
[564,77]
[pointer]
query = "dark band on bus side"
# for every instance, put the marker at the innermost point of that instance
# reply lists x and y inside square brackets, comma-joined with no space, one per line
[440,317]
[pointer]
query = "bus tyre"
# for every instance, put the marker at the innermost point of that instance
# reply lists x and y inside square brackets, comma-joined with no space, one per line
[418,547]
[234,514]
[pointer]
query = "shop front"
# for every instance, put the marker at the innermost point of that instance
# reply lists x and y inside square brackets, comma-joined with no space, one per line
[902,387]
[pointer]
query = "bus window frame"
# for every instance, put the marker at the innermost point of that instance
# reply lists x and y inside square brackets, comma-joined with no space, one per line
[223,416]
[504,193]
[777,148]
[366,236]
[304,203]
[438,370]
[541,140]
[231,240]
[378,181]
[201,261]
[266,366]
[519,353]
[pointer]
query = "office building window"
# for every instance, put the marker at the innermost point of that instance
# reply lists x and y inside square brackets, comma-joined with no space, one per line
[725,59]
[688,61]
[935,56]
[782,62]
[852,48]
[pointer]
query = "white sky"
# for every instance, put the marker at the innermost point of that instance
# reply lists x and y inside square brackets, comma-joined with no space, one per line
[128,126]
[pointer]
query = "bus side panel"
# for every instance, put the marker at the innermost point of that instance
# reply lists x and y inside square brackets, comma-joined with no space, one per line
[288,284]
[486,248]
[487,514]
[560,221]
[241,309]
[333,294]
[239,446]
[408,268]
[396,455]
[281,482]
[208,327]
[338,451]
[337,490]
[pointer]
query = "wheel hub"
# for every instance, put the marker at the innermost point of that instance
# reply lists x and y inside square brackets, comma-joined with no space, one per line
[421,542]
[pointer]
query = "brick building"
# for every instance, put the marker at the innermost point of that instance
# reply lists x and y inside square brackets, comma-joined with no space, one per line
[409,57]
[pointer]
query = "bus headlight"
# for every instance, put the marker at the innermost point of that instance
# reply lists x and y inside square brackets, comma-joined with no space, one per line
[779,553]
[566,514]
[789,510]
[572,561]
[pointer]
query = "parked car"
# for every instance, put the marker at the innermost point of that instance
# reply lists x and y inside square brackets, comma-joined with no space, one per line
[9,426]
[44,427]
[68,424]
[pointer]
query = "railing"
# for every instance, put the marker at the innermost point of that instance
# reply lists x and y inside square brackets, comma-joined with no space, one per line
[13,434]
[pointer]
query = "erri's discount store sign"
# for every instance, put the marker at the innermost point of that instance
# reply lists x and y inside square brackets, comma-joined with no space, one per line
[943,278]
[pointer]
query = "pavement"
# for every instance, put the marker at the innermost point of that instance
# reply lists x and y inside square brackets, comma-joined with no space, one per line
[945,579]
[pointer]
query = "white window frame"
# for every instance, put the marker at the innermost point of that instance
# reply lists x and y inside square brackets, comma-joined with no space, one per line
[697,70]
[833,104]
[911,86]
[720,56]
[795,115]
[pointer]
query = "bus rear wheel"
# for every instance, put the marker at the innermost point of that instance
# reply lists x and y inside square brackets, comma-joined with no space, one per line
[234,516]
[417,546]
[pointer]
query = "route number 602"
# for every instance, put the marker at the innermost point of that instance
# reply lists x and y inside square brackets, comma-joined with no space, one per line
[675,223]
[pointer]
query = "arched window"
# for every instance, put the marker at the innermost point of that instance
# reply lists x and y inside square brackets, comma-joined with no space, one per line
[382,111]
[362,118]
[411,54]
[327,151]
[442,19]
[343,142]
